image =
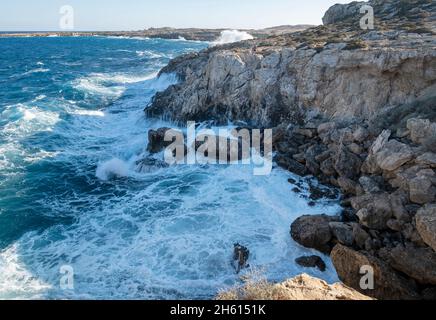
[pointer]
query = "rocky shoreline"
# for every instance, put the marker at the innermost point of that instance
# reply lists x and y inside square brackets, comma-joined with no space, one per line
[191,34]
[354,108]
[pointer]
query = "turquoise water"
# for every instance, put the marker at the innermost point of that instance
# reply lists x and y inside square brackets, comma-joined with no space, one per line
[72,128]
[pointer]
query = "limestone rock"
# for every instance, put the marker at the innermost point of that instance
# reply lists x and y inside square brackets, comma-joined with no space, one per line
[393,155]
[373,210]
[340,12]
[417,263]
[342,232]
[349,186]
[360,236]
[426,224]
[428,158]
[347,164]
[302,287]
[421,129]
[313,231]
[387,283]
[369,185]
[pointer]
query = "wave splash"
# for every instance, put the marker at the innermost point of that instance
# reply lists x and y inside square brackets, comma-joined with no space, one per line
[230,36]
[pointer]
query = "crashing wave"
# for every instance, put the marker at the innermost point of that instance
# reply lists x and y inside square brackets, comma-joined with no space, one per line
[230,36]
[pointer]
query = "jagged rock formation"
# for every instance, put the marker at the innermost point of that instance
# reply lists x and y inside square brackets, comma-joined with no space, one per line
[354,108]
[303,287]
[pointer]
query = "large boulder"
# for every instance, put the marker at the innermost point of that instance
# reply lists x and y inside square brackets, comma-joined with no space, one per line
[360,236]
[421,130]
[419,180]
[313,231]
[311,262]
[427,159]
[370,165]
[341,12]
[388,285]
[417,263]
[426,224]
[156,140]
[343,232]
[347,164]
[373,210]
[422,190]
[393,155]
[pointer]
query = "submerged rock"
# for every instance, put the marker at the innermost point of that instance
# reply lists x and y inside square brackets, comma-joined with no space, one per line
[240,257]
[311,262]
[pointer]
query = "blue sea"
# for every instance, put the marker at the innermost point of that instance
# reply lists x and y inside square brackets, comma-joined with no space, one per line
[72,130]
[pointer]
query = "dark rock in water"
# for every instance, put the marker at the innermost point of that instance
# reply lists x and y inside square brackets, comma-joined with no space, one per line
[150,164]
[240,257]
[311,262]
[292,181]
[156,140]
[296,190]
[313,232]
[318,192]
[291,165]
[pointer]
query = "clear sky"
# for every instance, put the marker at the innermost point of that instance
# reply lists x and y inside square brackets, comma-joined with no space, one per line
[43,15]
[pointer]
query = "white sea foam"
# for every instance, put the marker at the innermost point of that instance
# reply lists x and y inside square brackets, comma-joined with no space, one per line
[114,168]
[24,120]
[38,70]
[230,36]
[109,84]
[91,113]
[40,97]
[16,280]
[149,54]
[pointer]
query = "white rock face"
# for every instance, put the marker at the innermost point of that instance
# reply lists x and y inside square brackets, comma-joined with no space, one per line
[282,84]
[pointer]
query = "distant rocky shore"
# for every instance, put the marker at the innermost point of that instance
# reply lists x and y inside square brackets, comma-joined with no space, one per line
[192,34]
[354,108]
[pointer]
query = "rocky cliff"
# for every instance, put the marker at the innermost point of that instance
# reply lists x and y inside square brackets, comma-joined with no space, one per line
[354,108]
[337,70]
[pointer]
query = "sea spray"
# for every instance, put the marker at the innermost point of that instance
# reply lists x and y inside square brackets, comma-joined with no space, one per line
[230,36]
[114,168]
